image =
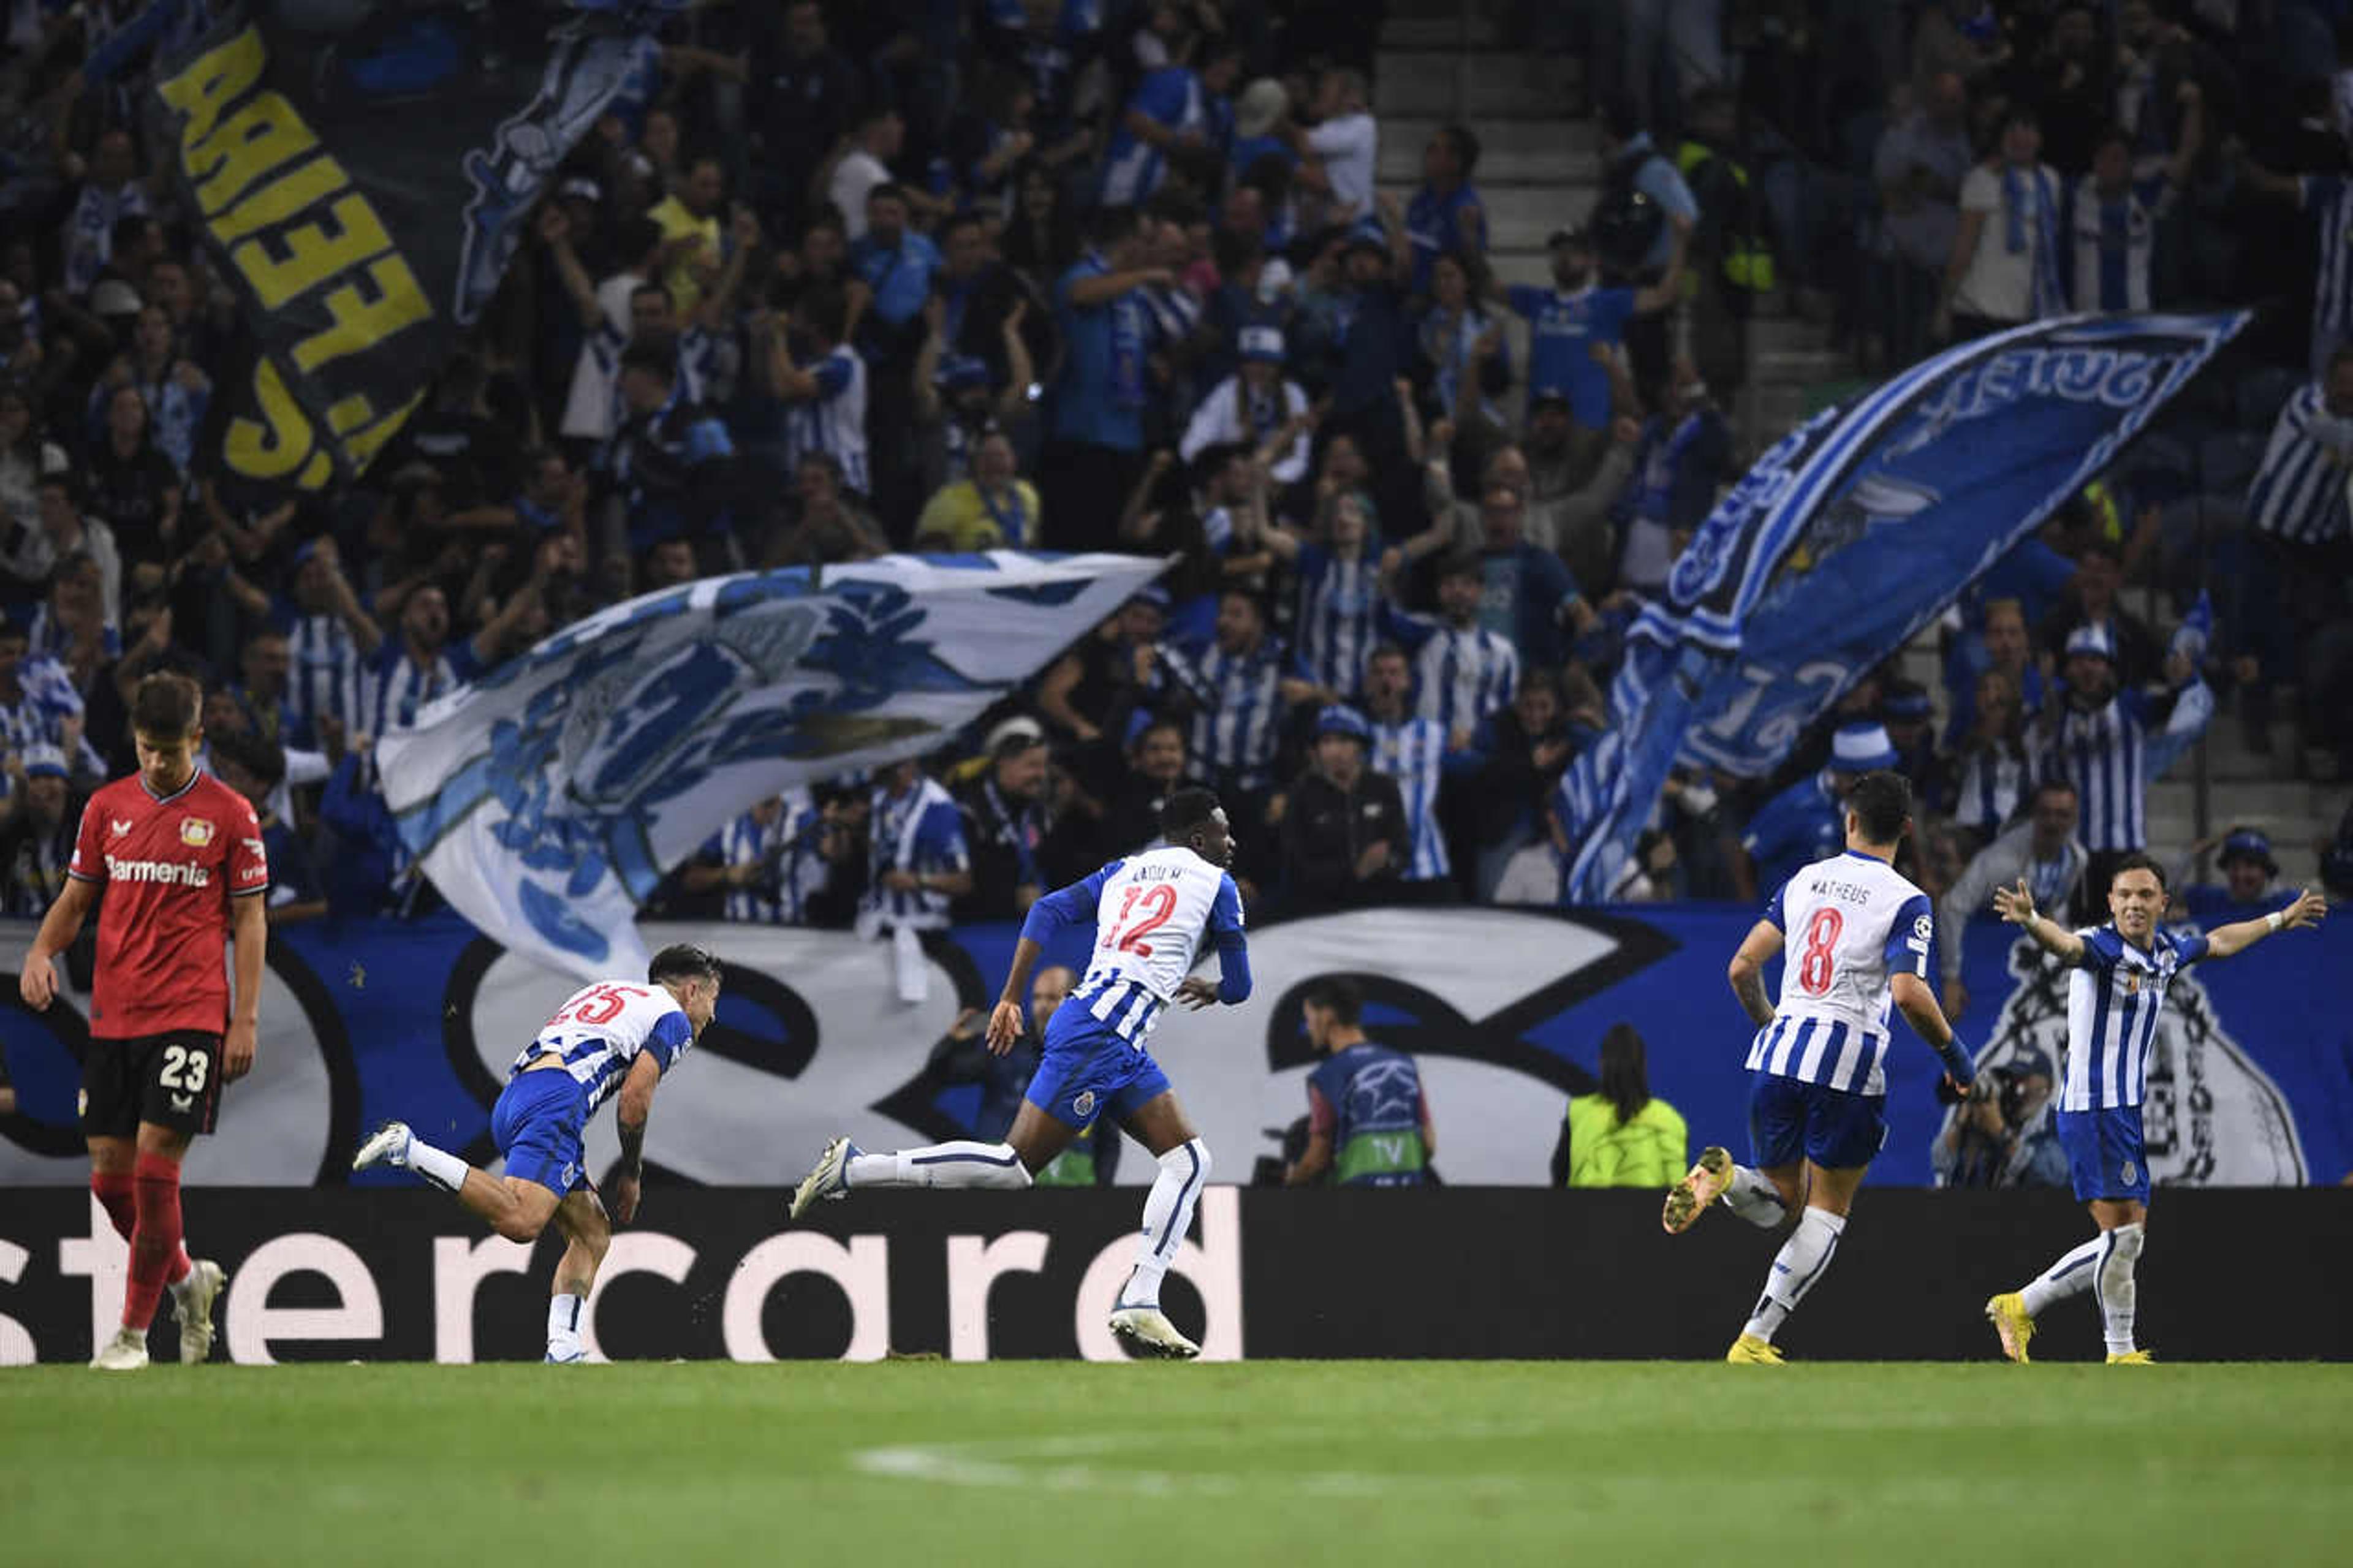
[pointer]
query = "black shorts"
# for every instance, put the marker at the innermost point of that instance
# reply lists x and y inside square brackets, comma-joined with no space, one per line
[172,1080]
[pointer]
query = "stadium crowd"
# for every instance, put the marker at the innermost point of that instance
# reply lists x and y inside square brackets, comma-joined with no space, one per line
[832,280]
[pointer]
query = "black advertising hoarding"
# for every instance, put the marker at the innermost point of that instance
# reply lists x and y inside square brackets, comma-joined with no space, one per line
[1436,1272]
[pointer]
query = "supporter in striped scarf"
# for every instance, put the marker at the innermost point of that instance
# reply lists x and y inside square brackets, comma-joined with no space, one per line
[1412,751]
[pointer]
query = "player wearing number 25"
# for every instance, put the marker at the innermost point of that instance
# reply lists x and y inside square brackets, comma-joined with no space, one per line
[612,1037]
[172,858]
[1859,938]
[1152,914]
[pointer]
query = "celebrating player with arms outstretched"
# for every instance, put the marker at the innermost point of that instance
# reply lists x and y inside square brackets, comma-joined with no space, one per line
[1152,912]
[2122,971]
[1863,934]
[612,1036]
[177,855]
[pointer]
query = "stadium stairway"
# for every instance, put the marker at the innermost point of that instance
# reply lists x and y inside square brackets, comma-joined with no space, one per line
[1540,170]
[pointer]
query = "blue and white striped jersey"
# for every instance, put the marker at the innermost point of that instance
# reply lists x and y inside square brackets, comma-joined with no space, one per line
[2298,492]
[1851,922]
[46,637]
[1337,602]
[921,831]
[1153,912]
[393,686]
[789,846]
[27,722]
[834,421]
[2114,999]
[601,1030]
[1991,785]
[2328,199]
[2110,756]
[1412,751]
[1461,673]
[1240,700]
[2113,238]
[698,356]
[324,680]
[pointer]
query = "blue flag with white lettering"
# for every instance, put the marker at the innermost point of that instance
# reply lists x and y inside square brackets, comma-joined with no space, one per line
[1849,536]
[548,798]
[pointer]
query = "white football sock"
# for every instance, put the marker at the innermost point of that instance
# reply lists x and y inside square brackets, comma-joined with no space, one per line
[2064,1279]
[564,1326]
[963,1163]
[2119,1295]
[1802,1260]
[438,1166]
[1754,1199]
[1167,1215]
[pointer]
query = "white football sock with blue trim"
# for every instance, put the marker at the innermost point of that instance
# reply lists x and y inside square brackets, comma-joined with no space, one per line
[2119,1295]
[563,1327]
[438,1166]
[1168,1215]
[963,1163]
[1754,1199]
[1804,1258]
[2069,1276]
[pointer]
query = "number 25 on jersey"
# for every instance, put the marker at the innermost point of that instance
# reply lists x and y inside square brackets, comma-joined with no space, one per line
[597,1005]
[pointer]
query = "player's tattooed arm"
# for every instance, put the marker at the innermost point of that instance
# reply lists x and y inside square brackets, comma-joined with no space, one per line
[1746,972]
[636,1104]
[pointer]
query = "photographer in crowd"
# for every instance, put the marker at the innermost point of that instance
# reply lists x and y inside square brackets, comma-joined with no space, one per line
[2002,1134]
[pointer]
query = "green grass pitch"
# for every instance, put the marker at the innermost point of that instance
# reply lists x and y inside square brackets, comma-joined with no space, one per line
[1273,1462]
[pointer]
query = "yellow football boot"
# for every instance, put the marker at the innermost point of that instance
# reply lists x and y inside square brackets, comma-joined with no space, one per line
[2007,1314]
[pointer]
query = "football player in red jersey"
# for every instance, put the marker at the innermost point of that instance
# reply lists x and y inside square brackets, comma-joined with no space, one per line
[177,855]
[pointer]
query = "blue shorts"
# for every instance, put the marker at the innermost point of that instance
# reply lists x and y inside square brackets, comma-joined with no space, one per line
[1835,1129]
[537,1124]
[1087,1070]
[2104,1153]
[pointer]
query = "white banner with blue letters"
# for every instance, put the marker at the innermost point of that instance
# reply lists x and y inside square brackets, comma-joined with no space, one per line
[549,797]
[1853,534]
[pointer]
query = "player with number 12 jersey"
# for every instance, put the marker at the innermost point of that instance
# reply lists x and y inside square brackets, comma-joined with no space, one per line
[1861,936]
[1152,913]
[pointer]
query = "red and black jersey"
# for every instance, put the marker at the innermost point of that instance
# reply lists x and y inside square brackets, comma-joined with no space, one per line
[168,868]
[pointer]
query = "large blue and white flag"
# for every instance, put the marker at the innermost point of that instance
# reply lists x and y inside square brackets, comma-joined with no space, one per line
[548,798]
[1850,535]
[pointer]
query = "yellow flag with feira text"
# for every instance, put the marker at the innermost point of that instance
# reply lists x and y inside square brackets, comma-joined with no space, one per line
[362,186]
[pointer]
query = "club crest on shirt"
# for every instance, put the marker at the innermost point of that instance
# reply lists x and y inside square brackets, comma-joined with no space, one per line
[195,832]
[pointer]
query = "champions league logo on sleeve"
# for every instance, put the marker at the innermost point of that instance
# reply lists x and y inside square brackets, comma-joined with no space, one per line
[2209,1116]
